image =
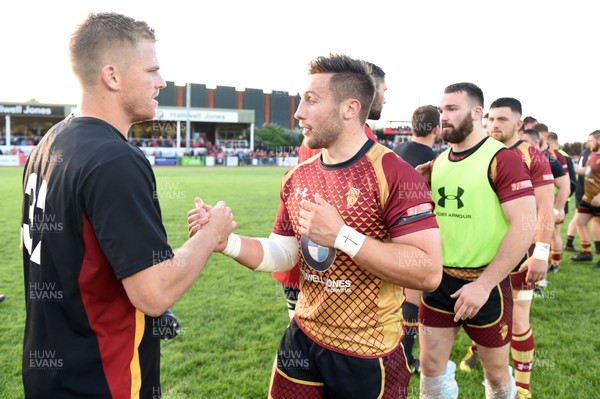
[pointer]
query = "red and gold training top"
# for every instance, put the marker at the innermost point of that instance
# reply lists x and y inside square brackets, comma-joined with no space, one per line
[342,306]
[591,184]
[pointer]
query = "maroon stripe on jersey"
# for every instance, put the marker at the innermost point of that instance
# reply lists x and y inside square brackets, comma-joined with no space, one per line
[110,314]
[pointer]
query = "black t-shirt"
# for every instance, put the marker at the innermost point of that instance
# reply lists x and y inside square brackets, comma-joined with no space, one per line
[90,218]
[414,153]
[555,166]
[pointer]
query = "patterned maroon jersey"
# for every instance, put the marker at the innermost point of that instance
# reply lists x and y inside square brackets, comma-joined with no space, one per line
[342,306]
[537,163]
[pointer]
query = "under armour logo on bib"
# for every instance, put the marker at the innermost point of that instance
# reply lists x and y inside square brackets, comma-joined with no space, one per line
[442,201]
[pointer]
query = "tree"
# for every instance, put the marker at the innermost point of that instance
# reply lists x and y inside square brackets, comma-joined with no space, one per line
[273,136]
[573,148]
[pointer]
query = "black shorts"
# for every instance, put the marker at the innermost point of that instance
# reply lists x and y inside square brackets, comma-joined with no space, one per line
[586,207]
[307,370]
[492,325]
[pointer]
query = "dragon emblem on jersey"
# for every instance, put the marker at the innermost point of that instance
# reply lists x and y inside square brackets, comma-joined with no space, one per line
[352,196]
[318,257]
[503,331]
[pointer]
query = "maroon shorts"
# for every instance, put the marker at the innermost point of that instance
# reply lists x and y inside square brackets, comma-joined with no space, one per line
[492,325]
[518,282]
[517,278]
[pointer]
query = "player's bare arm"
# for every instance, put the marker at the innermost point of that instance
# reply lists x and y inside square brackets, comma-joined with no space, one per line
[563,184]
[521,214]
[273,254]
[155,289]
[544,199]
[412,261]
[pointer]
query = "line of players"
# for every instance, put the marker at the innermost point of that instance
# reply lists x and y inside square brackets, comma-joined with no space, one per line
[553,179]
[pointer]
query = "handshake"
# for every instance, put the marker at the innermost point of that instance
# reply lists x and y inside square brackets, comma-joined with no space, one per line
[217,218]
[216,223]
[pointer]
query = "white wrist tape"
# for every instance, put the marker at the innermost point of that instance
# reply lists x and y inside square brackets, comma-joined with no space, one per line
[234,246]
[541,251]
[349,240]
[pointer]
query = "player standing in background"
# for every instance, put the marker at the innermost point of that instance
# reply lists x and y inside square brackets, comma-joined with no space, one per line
[425,127]
[579,170]
[589,207]
[482,193]
[547,145]
[504,123]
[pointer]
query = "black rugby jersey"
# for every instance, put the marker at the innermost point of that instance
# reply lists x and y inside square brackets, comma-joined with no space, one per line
[91,217]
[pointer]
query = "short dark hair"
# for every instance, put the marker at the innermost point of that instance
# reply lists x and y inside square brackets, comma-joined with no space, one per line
[424,120]
[540,127]
[533,133]
[376,71]
[529,119]
[509,102]
[595,133]
[552,136]
[473,92]
[351,78]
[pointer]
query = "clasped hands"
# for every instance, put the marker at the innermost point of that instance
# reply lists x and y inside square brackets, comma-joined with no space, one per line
[218,218]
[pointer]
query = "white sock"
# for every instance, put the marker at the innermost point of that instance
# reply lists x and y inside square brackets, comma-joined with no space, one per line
[431,387]
[502,392]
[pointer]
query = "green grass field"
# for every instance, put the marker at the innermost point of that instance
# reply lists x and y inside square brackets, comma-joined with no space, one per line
[232,318]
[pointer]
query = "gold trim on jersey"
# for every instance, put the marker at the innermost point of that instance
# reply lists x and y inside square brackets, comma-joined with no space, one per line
[391,298]
[375,156]
[134,366]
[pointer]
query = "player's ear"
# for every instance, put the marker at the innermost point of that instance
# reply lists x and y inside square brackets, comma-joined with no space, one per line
[477,113]
[351,108]
[110,76]
[519,125]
